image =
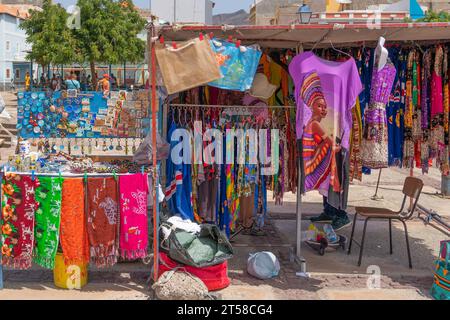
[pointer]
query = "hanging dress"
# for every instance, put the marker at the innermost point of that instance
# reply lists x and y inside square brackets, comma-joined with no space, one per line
[375,134]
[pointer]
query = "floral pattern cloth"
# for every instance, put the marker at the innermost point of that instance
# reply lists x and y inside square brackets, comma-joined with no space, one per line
[48,220]
[133,216]
[17,221]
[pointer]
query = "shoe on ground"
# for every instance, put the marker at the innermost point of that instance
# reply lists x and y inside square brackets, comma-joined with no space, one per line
[341,223]
[323,218]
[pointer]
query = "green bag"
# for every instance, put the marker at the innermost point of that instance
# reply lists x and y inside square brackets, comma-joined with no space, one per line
[208,248]
[441,286]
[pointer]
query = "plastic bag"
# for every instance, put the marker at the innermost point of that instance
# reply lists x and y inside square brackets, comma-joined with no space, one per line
[263,265]
[144,154]
[238,66]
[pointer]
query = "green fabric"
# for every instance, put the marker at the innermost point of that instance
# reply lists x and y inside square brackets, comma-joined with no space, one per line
[48,220]
[201,249]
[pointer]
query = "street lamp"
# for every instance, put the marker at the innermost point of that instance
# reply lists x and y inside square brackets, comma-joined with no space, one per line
[304,13]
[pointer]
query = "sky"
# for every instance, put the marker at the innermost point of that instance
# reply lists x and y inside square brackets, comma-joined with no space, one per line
[222,6]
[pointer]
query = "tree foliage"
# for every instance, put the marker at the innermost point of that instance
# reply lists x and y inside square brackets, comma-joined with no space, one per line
[432,16]
[108,33]
[52,41]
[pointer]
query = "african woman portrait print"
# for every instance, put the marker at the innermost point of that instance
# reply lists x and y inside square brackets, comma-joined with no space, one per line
[319,142]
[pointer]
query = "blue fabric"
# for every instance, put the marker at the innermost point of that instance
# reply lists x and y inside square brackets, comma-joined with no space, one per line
[238,68]
[394,109]
[180,201]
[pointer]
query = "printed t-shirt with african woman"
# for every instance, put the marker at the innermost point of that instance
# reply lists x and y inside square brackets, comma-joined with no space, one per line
[325,91]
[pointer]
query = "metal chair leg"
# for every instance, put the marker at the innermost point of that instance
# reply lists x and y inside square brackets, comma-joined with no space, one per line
[351,237]
[390,235]
[407,244]
[362,242]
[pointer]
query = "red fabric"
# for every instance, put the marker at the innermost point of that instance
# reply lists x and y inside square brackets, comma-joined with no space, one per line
[214,277]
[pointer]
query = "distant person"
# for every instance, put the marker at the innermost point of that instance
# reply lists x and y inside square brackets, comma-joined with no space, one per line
[104,85]
[27,81]
[54,83]
[89,82]
[83,81]
[43,80]
[72,83]
[113,81]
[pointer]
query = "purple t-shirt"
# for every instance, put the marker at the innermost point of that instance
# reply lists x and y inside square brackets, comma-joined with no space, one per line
[325,91]
[337,82]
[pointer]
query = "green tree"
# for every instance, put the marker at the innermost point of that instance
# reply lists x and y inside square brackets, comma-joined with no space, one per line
[109,32]
[432,16]
[50,38]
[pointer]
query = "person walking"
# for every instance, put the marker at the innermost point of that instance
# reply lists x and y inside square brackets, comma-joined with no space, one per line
[27,81]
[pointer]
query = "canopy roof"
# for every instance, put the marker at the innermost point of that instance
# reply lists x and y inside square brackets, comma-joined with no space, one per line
[318,35]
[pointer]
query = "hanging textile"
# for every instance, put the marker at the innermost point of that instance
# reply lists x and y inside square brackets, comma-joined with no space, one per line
[375,135]
[17,222]
[48,220]
[408,146]
[179,184]
[103,214]
[326,91]
[355,144]
[238,65]
[74,237]
[133,216]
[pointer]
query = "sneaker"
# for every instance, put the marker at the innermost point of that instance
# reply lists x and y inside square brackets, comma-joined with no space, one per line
[340,223]
[323,218]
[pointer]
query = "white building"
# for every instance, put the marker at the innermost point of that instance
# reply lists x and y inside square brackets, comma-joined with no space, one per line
[13,45]
[186,11]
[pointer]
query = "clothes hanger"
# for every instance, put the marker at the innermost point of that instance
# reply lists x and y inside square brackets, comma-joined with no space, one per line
[345,53]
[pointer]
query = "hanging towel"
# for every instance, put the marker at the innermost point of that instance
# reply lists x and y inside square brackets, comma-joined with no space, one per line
[74,238]
[48,219]
[103,214]
[133,216]
[17,222]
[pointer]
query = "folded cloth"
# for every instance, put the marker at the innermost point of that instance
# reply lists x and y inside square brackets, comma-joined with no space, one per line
[133,216]
[74,238]
[48,219]
[17,221]
[186,225]
[103,214]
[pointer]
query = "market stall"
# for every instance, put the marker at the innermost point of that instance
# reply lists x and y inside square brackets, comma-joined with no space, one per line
[405,41]
[232,78]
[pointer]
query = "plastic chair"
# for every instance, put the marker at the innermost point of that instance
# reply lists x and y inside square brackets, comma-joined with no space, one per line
[411,189]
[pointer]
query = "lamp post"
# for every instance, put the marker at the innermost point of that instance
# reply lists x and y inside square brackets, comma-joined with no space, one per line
[304,13]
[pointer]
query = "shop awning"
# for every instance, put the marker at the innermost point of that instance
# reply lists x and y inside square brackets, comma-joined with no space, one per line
[315,34]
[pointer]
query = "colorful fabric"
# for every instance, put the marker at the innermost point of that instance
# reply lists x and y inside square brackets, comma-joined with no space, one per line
[238,68]
[17,222]
[74,237]
[355,145]
[48,220]
[102,221]
[133,216]
[317,154]
[375,137]
[326,91]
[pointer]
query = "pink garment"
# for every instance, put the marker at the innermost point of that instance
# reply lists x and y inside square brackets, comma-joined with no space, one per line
[133,216]
[437,106]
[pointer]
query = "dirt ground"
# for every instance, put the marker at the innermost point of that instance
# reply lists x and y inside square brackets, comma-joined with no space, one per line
[332,276]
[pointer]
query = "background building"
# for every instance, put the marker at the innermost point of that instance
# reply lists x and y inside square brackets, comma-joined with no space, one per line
[13,45]
[29,2]
[196,11]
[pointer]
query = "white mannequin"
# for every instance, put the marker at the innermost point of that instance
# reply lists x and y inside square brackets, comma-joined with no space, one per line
[381,54]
